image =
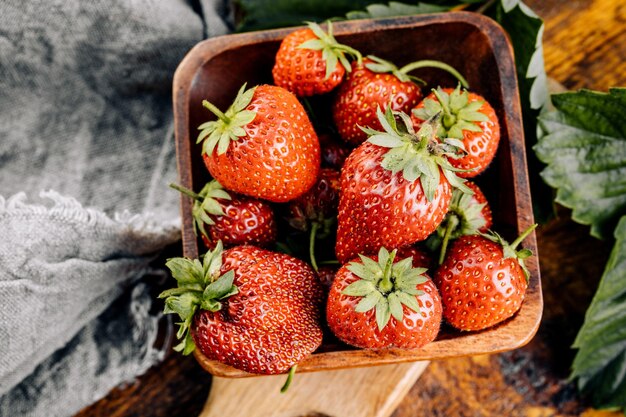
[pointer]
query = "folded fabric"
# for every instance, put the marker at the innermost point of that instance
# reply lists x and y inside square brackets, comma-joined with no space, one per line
[85,110]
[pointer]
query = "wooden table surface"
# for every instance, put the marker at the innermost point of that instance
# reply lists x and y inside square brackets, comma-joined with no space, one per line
[584,47]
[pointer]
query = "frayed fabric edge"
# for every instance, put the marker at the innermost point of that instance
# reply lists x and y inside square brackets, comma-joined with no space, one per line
[69,209]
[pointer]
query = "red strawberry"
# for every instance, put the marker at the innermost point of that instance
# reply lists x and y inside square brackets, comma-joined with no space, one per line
[310,61]
[235,220]
[482,281]
[395,188]
[467,117]
[378,303]
[469,214]
[263,146]
[316,210]
[249,308]
[372,84]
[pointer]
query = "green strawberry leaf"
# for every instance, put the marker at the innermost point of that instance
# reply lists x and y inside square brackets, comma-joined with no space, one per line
[394,8]
[199,286]
[525,31]
[583,143]
[601,342]
[267,14]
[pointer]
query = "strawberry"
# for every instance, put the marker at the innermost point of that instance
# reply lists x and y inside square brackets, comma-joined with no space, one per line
[469,214]
[395,188]
[263,146]
[235,220]
[310,61]
[249,308]
[378,303]
[482,280]
[316,210]
[467,117]
[377,83]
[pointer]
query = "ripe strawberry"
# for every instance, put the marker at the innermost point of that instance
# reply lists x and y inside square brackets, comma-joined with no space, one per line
[266,145]
[249,308]
[235,220]
[395,188]
[482,281]
[316,210]
[376,83]
[469,214]
[467,117]
[377,303]
[310,61]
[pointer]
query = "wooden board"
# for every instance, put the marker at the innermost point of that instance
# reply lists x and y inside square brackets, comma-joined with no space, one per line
[370,392]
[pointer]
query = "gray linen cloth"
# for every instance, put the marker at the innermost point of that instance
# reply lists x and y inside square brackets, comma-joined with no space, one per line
[86,152]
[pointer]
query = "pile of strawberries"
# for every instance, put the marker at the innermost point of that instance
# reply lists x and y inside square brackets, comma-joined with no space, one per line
[312,222]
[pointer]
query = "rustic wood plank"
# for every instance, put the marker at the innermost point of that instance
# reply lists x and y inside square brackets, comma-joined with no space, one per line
[370,392]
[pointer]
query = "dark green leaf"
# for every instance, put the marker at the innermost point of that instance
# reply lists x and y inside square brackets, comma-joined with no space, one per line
[186,346]
[210,305]
[266,14]
[525,31]
[583,142]
[183,271]
[184,304]
[600,364]
[220,287]
[393,9]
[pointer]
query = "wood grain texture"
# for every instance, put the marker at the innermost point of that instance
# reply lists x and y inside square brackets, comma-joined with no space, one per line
[371,392]
[531,381]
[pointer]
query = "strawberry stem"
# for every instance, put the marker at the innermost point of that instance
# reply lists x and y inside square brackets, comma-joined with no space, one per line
[385,285]
[290,375]
[216,111]
[523,236]
[451,224]
[187,192]
[314,227]
[428,63]
[448,120]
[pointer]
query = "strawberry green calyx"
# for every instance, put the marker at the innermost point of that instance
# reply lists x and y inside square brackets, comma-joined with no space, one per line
[418,155]
[205,203]
[332,51]
[458,114]
[385,285]
[381,66]
[464,218]
[229,125]
[509,250]
[200,286]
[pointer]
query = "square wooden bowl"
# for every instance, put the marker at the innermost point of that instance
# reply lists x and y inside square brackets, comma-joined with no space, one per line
[476,46]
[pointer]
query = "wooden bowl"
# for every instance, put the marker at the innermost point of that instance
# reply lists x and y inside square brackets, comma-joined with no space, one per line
[476,46]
